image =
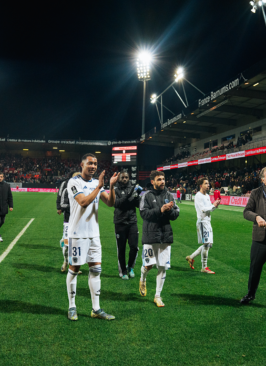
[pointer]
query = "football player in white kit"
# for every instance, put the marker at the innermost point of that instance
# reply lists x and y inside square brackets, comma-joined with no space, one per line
[84,194]
[204,207]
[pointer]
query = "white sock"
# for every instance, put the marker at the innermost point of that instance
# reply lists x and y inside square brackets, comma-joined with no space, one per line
[160,280]
[65,253]
[197,252]
[144,272]
[71,282]
[204,255]
[95,286]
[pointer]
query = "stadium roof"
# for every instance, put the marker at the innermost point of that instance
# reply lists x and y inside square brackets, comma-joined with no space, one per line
[236,103]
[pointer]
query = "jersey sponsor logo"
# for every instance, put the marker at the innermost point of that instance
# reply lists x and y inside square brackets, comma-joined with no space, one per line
[166,201]
[74,190]
[154,201]
[118,236]
[75,260]
[85,187]
[123,192]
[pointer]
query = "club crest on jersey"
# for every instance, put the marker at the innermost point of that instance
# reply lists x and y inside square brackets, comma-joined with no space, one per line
[74,190]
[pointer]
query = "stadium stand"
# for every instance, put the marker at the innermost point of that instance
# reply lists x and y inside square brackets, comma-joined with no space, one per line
[234,181]
[51,170]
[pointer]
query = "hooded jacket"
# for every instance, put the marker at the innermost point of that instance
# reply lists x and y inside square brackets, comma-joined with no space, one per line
[156,225]
[125,205]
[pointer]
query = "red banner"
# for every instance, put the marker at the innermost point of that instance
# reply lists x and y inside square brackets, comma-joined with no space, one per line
[193,162]
[218,158]
[232,200]
[175,166]
[258,151]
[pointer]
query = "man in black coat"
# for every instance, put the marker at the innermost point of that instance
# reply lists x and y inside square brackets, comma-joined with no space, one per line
[255,211]
[125,220]
[6,200]
[157,208]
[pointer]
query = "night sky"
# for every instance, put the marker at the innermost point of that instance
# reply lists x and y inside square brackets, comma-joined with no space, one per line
[67,69]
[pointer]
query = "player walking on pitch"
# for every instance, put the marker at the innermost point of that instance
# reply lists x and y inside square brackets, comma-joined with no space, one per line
[62,205]
[203,207]
[84,194]
[157,208]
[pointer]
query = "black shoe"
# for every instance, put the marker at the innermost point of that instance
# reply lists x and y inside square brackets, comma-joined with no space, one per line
[246,299]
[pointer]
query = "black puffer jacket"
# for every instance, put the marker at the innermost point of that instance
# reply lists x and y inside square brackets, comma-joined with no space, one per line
[6,198]
[125,205]
[156,225]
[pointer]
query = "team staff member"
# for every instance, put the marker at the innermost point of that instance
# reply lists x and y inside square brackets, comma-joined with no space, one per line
[255,211]
[125,220]
[6,200]
[157,208]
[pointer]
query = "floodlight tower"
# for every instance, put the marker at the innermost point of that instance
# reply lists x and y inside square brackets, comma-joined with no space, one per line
[258,3]
[143,69]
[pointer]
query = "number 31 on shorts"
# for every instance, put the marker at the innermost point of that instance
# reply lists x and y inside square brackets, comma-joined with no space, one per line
[76,251]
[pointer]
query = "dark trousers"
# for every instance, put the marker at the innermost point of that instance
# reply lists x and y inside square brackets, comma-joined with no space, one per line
[2,220]
[123,234]
[257,260]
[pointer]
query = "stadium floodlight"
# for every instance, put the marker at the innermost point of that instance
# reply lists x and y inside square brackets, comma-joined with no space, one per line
[143,69]
[143,65]
[258,3]
[153,98]
[179,75]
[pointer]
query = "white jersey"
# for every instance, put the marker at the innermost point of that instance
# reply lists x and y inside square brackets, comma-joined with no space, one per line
[83,221]
[204,207]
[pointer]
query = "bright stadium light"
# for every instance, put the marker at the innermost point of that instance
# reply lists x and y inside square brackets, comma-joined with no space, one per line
[258,3]
[179,75]
[143,65]
[143,69]
[153,98]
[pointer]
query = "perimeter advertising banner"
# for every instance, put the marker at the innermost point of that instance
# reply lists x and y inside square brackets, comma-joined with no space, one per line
[232,201]
[235,155]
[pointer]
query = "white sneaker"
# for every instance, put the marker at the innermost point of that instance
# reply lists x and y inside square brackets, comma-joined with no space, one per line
[158,301]
[1,238]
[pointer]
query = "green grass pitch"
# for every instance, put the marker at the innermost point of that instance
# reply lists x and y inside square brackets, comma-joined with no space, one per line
[202,322]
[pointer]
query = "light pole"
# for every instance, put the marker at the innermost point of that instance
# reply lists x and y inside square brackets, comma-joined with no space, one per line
[143,69]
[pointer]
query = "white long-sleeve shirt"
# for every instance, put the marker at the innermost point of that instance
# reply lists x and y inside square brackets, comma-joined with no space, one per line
[204,207]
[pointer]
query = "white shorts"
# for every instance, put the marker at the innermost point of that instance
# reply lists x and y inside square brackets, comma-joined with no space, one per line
[158,254]
[65,230]
[205,233]
[81,251]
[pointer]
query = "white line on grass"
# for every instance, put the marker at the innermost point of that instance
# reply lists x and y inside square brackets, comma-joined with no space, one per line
[13,243]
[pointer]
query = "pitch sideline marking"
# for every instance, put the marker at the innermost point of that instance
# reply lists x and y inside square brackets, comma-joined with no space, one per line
[13,243]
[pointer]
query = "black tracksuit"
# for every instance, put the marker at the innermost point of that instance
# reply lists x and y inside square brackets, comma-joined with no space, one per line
[62,201]
[6,199]
[126,229]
